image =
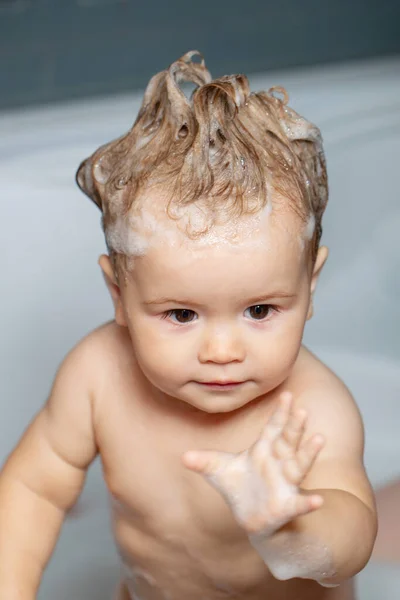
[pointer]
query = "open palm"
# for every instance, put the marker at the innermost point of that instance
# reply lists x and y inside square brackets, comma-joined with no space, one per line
[261,484]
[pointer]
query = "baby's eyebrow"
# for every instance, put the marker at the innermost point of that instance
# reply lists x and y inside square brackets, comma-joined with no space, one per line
[165,300]
[270,296]
[250,301]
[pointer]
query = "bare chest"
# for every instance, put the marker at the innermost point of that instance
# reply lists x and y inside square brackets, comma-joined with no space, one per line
[175,533]
[142,460]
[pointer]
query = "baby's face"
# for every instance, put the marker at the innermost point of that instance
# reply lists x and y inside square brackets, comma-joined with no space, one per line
[220,313]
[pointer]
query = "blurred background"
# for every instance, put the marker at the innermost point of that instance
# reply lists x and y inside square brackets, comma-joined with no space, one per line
[59,49]
[72,75]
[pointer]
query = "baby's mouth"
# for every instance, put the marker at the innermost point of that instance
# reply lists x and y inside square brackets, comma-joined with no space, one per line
[221,384]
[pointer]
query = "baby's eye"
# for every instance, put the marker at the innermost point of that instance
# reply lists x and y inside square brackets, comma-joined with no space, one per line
[260,311]
[182,315]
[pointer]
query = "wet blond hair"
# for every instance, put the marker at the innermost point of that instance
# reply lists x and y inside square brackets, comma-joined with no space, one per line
[224,145]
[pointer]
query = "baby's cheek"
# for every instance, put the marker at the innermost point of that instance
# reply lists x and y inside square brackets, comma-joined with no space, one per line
[148,343]
[284,351]
[163,363]
[275,363]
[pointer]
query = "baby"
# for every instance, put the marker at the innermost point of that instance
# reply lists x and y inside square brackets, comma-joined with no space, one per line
[232,455]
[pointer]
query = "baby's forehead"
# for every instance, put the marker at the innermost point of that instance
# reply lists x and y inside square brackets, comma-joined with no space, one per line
[215,266]
[153,221]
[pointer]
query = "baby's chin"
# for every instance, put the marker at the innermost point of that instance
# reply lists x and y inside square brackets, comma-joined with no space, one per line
[217,406]
[218,402]
[190,397]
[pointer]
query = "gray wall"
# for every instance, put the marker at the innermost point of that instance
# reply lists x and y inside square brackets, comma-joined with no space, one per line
[59,49]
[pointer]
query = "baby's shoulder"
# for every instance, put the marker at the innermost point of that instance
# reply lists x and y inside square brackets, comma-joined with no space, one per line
[311,373]
[106,337]
[329,404]
[102,352]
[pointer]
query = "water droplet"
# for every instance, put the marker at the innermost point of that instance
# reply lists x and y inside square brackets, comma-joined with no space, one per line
[122,181]
[99,173]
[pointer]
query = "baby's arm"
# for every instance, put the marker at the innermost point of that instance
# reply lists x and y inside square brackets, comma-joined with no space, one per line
[44,475]
[334,542]
[307,506]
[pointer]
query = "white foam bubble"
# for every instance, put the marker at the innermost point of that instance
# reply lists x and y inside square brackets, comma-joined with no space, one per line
[309,228]
[123,239]
[190,226]
[135,576]
[289,555]
[100,174]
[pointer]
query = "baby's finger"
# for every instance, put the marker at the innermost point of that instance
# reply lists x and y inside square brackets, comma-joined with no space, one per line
[207,462]
[298,467]
[303,504]
[309,451]
[286,444]
[294,429]
[279,417]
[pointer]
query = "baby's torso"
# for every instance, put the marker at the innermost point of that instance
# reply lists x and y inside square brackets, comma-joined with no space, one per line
[177,537]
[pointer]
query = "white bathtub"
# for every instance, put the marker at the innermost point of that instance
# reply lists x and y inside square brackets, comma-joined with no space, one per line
[53,292]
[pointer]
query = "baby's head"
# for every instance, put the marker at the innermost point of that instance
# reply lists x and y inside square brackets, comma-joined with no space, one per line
[212,213]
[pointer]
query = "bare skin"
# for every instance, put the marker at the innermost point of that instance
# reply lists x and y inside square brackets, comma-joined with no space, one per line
[194,548]
[133,392]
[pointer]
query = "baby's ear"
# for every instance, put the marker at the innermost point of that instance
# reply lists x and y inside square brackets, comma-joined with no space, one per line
[318,266]
[113,288]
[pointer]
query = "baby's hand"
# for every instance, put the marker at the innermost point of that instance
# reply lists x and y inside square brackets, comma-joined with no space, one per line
[261,484]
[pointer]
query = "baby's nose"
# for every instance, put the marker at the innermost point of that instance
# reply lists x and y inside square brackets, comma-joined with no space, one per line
[222,347]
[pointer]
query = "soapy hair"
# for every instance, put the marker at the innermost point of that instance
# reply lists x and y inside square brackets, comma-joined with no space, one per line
[225,145]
